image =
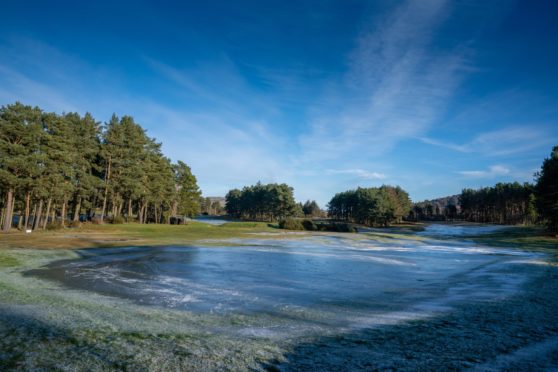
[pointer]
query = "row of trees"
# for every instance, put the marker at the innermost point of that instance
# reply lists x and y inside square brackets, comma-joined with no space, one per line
[260,202]
[371,206]
[513,203]
[546,191]
[504,203]
[59,167]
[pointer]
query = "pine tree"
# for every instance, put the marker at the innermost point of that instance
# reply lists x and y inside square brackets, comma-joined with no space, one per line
[547,190]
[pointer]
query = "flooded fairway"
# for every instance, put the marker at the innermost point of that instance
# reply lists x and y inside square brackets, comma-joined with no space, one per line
[335,275]
[261,302]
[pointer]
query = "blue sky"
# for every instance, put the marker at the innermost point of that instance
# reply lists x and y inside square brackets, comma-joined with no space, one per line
[431,95]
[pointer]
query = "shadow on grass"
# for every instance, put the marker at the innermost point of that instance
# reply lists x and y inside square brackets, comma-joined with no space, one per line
[30,344]
[472,334]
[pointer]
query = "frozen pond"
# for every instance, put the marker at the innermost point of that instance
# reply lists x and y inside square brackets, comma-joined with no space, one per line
[211,220]
[461,230]
[349,280]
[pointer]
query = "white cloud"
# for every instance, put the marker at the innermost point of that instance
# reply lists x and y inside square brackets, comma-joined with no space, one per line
[360,173]
[395,88]
[491,172]
[502,142]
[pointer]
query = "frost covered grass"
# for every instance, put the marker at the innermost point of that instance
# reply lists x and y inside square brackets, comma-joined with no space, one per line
[43,326]
[491,314]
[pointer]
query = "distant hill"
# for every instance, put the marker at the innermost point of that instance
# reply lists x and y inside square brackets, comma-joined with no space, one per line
[447,207]
[220,199]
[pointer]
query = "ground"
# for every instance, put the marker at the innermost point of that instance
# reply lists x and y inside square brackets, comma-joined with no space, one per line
[44,326]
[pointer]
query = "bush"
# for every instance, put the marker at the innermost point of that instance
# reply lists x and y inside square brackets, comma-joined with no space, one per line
[337,227]
[117,220]
[291,224]
[53,226]
[345,227]
[75,224]
[309,225]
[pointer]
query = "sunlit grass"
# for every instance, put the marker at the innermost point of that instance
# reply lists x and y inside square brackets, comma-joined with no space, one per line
[128,234]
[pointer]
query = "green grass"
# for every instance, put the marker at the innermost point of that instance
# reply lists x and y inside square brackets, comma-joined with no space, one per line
[525,237]
[129,234]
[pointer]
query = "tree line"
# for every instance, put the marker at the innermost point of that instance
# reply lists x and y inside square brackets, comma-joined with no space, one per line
[260,202]
[374,206]
[504,203]
[59,168]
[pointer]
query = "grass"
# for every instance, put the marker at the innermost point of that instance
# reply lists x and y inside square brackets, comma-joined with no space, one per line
[129,234]
[526,237]
[89,235]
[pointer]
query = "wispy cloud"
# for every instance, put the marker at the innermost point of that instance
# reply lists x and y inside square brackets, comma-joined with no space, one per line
[16,86]
[395,87]
[507,141]
[360,173]
[491,172]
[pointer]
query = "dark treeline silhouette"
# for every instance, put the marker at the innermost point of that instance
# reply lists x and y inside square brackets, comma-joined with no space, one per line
[504,203]
[546,191]
[259,202]
[55,168]
[371,206]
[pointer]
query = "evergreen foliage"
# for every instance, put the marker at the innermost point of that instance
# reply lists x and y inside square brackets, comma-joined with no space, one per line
[371,206]
[546,191]
[311,209]
[259,202]
[58,168]
[504,203]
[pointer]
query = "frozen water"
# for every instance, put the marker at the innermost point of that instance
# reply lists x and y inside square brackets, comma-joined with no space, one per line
[344,279]
[211,220]
[460,230]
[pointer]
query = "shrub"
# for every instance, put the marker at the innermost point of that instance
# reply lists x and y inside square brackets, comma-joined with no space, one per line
[291,224]
[117,220]
[309,225]
[345,227]
[75,224]
[53,226]
[337,227]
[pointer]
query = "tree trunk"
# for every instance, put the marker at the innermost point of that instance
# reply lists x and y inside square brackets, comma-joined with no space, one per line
[129,214]
[77,210]
[63,214]
[37,219]
[34,214]
[27,206]
[53,216]
[47,213]
[155,211]
[145,212]
[8,215]
[140,214]
[106,191]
